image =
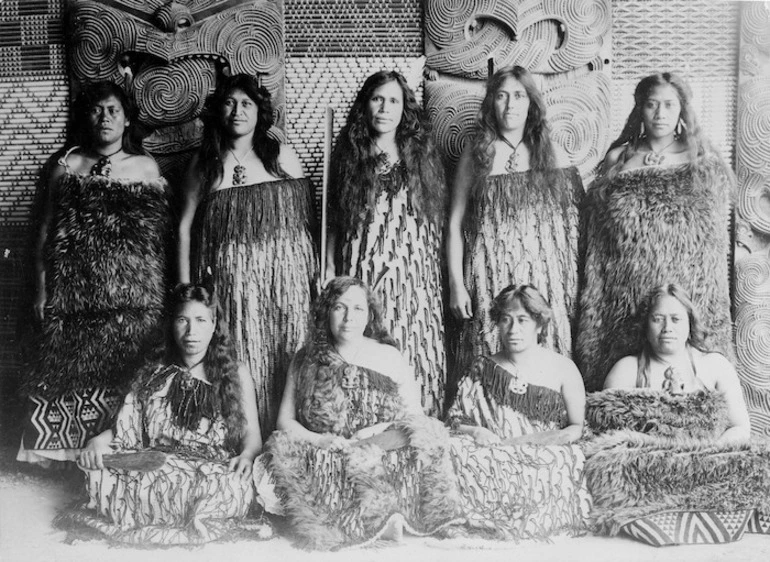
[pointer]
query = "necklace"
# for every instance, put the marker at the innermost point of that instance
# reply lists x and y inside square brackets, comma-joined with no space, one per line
[656,157]
[191,399]
[239,171]
[384,162]
[513,160]
[103,166]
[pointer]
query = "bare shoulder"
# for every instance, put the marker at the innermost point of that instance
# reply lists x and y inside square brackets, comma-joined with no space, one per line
[290,162]
[623,373]
[144,168]
[563,366]
[715,367]
[613,156]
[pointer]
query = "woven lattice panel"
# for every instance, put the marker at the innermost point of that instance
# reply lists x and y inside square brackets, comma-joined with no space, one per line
[350,28]
[312,84]
[547,36]
[697,39]
[752,267]
[30,38]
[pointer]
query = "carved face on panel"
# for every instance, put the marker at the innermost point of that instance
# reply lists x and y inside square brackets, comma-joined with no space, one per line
[169,56]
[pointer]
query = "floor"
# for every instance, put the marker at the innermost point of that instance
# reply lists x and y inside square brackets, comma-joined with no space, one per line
[30,499]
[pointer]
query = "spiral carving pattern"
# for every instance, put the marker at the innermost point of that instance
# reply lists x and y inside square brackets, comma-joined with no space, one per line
[752,325]
[542,35]
[752,276]
[452,106]
[175,93]
[755,21]
[754,124]
[579,114]
[176,69]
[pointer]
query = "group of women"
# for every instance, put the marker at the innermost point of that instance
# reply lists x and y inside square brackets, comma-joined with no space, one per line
[353,394]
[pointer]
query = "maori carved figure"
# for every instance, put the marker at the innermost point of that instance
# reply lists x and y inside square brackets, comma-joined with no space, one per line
[752,264]
[540,35]
[169,56]
[565,43]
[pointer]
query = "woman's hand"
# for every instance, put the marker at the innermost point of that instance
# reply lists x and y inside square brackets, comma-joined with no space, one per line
[483,436]
[331,441]
[370,431]
[460,302]
[241,465]
[92,456]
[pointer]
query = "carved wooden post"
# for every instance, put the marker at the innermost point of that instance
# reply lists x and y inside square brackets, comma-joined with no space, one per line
[752,264]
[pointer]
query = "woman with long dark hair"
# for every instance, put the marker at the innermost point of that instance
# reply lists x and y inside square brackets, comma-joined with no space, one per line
[658,212]
[192,401]
[246,219]
[514,216]
[386,204]
[100,269]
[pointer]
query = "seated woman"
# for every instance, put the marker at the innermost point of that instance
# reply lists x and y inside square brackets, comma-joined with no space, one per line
[672,461]
[196,404]
[354,459]
[518,412]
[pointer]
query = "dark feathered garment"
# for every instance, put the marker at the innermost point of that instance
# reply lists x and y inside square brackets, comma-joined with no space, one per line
[106,260]
[644,228]
[676,465]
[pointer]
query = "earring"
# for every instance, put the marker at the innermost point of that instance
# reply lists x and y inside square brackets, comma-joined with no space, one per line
[642,132]
[680,128]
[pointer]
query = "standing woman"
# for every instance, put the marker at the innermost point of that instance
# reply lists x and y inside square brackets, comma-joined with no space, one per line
[100,276]
[659,212]
[386,210]
[246,217]
[514,217]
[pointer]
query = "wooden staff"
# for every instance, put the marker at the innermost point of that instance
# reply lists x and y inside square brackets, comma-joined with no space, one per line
[328,132]
[490,66]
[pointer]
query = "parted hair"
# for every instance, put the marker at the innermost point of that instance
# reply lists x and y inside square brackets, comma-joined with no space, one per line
[216,143]
[697,336]
[87,98]
[355,160]
[321,336]
[633,135]
[219,363]
[530,300]
[536,136]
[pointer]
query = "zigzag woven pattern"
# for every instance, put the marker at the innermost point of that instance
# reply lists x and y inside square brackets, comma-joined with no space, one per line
[689,527]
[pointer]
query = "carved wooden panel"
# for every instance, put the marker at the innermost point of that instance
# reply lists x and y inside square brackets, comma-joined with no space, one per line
[752,266]
[565,43]
[169,56]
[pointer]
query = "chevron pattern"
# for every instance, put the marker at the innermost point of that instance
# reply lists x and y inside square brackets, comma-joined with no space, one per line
[689,527]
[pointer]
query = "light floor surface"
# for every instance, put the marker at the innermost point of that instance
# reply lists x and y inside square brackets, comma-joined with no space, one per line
[29,500]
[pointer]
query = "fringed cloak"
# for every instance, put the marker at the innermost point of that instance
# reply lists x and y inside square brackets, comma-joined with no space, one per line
[521,228]
[522,491]
[256,240]
[398,254]
[336,498]
[643,228]
[663,479]
[105,260]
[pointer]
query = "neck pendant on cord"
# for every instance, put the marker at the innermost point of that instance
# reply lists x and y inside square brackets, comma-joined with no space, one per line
[512,165]
[103,166]
[239,171]
[654,157]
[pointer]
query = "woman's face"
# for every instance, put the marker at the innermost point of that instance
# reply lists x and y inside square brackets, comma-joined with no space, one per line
[511,105]
[349,315]
[517,329]
[108,121]
[239,114]
[385,108]
[193,327]
[660,112]
[668,326]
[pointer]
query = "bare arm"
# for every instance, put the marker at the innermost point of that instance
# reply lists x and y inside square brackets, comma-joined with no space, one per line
[727,382]
[92,456]
[251,443]
[623,374]
[191,194]
[290,162]
[459,299]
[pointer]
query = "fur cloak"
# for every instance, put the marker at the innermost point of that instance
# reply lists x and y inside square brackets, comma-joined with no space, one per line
[106,256]
[643,228]
[671,463]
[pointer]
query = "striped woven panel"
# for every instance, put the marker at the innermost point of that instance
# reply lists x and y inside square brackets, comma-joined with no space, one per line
[667,528]
[759,523]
